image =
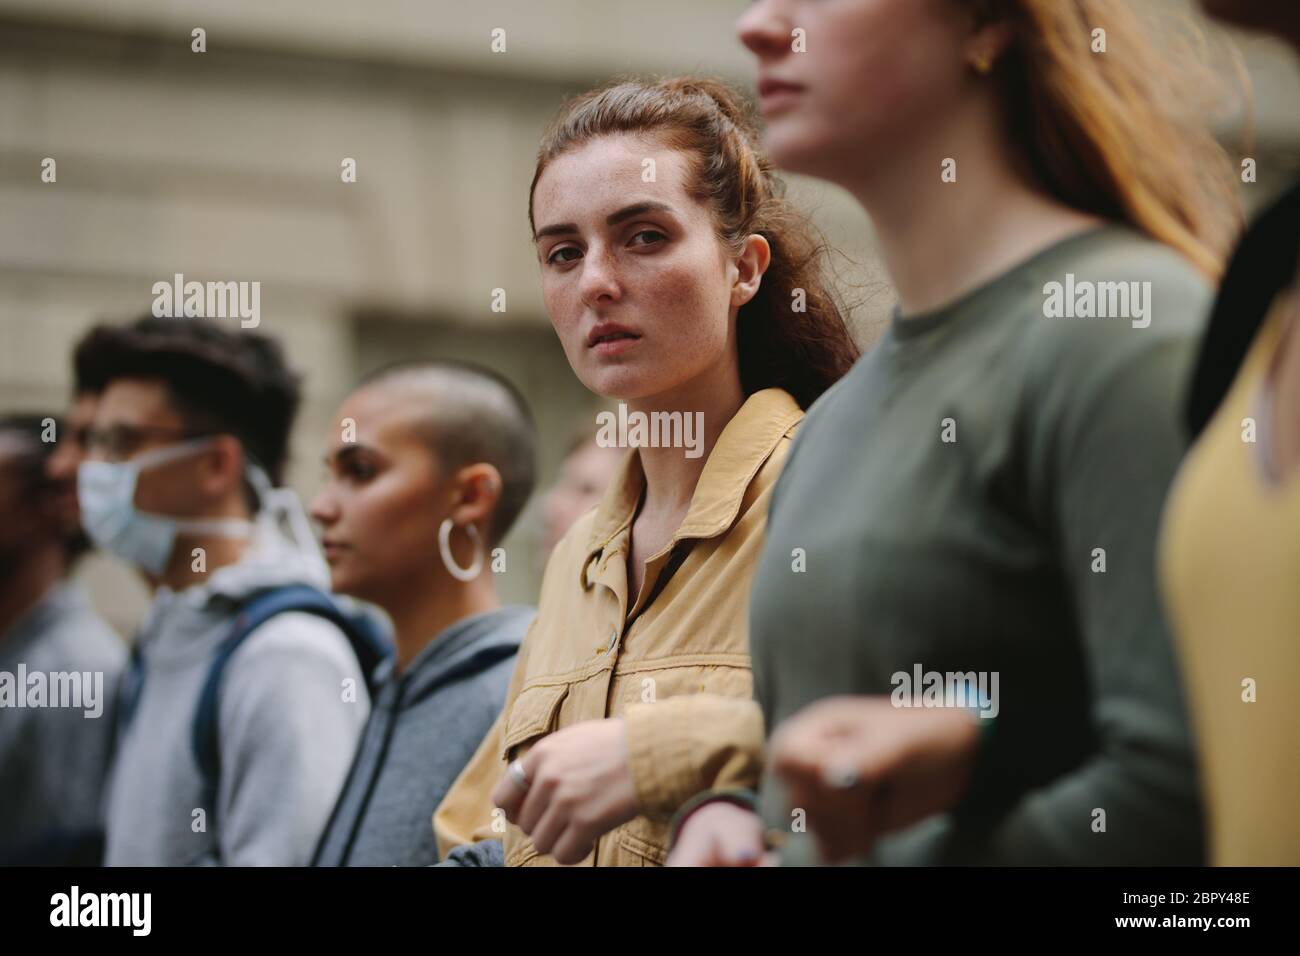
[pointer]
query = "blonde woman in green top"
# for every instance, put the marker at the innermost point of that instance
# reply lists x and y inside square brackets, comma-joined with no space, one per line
[966,523]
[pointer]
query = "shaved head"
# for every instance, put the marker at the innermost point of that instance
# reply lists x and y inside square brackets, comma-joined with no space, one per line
[468,414]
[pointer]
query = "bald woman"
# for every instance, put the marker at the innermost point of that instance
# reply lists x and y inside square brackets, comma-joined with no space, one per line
[429,464]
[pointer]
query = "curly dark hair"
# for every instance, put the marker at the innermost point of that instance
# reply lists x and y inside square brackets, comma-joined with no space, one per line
[221,380]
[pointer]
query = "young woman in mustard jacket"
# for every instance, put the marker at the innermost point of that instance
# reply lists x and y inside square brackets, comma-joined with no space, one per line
[680,283]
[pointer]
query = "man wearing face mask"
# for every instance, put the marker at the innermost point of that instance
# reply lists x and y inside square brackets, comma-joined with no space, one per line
[238,764]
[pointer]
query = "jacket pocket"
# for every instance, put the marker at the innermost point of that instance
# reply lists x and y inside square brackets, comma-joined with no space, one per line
[525,854]
[534,714]
[634,851]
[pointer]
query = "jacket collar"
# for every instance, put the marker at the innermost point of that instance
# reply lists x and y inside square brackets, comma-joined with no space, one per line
[748,440]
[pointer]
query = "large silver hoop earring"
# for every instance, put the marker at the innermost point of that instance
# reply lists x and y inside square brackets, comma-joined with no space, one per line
[444,546]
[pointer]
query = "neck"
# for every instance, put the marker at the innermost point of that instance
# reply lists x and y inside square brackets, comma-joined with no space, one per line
[940,240]
[670,476]
[421,610]
[185,569]
[29,581]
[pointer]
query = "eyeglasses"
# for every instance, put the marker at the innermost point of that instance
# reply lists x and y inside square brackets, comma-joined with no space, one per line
[118,442]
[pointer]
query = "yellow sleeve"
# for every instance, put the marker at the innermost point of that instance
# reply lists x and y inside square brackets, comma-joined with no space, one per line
[465,814]
[681,746]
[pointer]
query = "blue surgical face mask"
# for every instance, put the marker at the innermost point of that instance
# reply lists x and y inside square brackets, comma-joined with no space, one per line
[106,494]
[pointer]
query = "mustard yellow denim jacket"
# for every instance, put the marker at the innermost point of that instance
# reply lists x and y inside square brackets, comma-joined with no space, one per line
[675,665]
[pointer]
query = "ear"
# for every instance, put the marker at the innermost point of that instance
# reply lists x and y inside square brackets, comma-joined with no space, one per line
[754,258]
[221,468]
[475,490]
[989,40]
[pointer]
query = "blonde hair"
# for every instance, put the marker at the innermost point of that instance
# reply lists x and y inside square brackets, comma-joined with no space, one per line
[1115,133]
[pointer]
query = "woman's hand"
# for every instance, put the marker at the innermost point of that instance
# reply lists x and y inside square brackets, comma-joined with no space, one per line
[579,787]
[720,834]
[860,767]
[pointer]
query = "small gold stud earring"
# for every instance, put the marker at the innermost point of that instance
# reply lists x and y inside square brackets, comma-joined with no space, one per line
[982,63]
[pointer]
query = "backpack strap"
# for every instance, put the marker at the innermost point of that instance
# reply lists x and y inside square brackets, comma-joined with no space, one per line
[367,640]
[129,690]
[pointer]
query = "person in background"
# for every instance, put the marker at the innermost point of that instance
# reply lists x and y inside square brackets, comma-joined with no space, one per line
[585,473]
[1230,543]
[699,294]
[979,498]
[53,757]
[83,841]
[70,450]
[237,723]
[429,465]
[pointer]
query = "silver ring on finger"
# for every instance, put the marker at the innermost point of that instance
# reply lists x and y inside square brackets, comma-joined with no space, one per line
[842,778]
[516,772]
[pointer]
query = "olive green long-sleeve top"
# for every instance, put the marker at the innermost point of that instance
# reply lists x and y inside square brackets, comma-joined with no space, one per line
[982,493]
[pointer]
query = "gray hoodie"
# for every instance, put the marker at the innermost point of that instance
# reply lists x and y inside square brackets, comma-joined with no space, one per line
[53,758]
[425,726]
[287,723]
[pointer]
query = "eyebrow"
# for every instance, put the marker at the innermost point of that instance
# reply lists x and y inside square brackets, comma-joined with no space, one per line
[613,219]
[344,452]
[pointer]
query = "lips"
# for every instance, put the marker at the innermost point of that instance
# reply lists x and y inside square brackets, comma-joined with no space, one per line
[776,95]
[769,86]
[609,332]
[332,548]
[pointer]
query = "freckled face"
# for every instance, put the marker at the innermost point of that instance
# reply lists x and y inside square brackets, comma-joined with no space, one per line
[635,280]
